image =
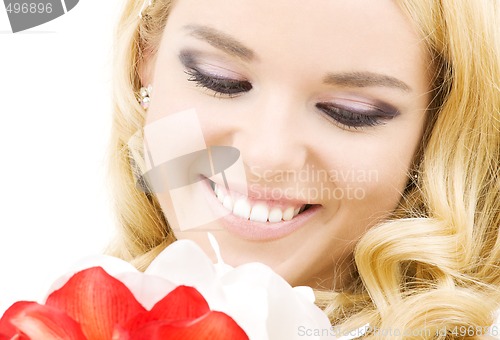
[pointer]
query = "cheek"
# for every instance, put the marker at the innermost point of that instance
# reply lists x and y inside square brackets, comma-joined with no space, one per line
[374,171]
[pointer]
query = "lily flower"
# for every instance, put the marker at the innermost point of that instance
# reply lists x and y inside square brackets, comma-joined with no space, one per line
[181,295]
[94,305]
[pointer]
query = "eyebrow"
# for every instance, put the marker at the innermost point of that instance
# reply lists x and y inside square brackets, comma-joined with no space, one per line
[221,41]
[365,79]
[231,46]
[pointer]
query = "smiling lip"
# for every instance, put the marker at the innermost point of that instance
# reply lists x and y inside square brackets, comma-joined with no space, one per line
[256,231]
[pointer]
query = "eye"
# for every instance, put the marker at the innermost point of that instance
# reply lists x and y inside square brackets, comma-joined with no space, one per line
[220,85]
[354,119]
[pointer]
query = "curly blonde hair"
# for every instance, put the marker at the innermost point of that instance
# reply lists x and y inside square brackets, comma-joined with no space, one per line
[433,269]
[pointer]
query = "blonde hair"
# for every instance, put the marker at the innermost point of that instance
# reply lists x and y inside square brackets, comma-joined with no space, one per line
[435,265]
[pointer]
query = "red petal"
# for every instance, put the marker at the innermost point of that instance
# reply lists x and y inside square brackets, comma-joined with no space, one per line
[33,321]
[98,301]
[183,303]
[211,326]
[6,327]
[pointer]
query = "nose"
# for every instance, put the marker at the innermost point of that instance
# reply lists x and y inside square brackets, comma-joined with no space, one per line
[269,137]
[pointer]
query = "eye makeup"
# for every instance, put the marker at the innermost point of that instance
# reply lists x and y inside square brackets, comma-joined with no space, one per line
[224,86]
[345,113]
[353,115]
[213,80]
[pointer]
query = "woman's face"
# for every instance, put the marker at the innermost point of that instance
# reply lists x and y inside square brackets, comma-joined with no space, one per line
[326,104]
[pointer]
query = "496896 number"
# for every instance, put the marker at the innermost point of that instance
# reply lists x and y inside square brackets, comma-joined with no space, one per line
[29,8]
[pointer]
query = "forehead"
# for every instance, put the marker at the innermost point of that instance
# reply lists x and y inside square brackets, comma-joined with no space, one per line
[320,34]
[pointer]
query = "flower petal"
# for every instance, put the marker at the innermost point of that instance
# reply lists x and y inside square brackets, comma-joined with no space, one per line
[184,263]
[98,301]
[29,320]
[183,303]
[259,300]
[147,289]
[306,291]
[212,326]
[7,329]
[112,265]
[187,265]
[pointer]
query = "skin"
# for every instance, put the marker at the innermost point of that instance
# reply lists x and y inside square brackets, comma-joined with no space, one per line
[278,127]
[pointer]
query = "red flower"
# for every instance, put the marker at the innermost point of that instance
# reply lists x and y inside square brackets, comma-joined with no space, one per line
[94,305]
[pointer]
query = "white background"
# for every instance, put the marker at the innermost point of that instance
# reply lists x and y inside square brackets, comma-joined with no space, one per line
[55,114]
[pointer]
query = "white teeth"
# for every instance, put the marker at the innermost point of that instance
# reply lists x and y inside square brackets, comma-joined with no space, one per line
[275,215]
[228,203]
[259,213]
[242,208]
[288,214]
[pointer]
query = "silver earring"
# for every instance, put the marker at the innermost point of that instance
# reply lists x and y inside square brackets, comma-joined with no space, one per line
[145,93]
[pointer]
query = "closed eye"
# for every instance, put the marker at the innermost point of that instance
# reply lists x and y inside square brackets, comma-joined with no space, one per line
[220,85]
[353,119]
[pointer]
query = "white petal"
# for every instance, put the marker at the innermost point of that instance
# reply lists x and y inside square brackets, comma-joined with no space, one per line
[284,302]
[355,333]
[306,291]
[184,263]
[248,307]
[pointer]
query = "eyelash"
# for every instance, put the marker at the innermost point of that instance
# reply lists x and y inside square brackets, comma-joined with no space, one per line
[349,119]
[220,86]
[345,119]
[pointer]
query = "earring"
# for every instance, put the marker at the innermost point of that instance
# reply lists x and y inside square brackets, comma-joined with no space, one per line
[145,93]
